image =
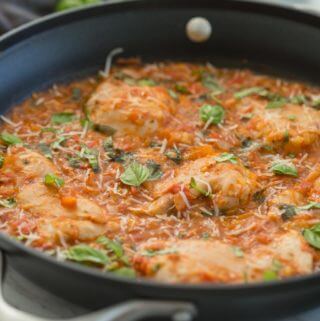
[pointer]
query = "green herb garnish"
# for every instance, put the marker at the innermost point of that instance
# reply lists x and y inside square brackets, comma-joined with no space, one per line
[10,139]
[199,189]
[226,157]
[174,154]
[135,174]
[154,169]
[125,272]
[92,156]
[1,160]
[287,211]
[281,168]
[277,103]
[181,89]
[237,251]
[8,203]
[53,180]
[159,252]
[104,129]
[250,91]
[70,4]
[147,82]
[312,236]
[45,150]
[87,254]
[310,206]
[114,246]
[62,118]
[213,114]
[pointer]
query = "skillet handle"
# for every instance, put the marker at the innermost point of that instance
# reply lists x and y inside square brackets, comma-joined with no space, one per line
[127,311]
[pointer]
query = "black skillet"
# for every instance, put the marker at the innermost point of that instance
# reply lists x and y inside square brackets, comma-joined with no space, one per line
[263,37]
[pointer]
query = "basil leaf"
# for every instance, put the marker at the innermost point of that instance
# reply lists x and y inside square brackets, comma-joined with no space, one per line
[288,211]
[62,118]
[91,155]
[209,82]
[270,275]
[1,160]
[152,253]
[250,91]
[199,189]
[181,89]
[310,206]
[125,272]
[48,130]
[298,100]
[57,144]
[45,150]
[147,82]
[174,154]
[213,114]
[312,236]
[281,168]
[135,174]
[53,180]
[113,246]
[226,157]
[104,129]
[155,170]
[275,104]
[10,139]
[85,253]
[8,203]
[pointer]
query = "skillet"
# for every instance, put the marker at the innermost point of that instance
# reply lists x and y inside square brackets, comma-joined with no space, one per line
[64,46]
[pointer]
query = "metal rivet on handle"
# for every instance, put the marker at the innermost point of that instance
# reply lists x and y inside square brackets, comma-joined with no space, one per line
[198,29]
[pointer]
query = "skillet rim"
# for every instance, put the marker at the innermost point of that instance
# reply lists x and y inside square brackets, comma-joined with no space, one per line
[51,21]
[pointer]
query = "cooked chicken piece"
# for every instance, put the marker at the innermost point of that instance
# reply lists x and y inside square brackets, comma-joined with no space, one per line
[38,199]
[194,261]
[290,128]
[59,230]
[28,164]
[134,109]
[232,185]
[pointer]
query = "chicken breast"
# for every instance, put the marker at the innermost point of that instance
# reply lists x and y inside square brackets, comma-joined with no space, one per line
[134,109]
[291,127]
[192,261]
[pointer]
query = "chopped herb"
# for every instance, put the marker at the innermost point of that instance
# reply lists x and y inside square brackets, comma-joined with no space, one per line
[312,236]
[62,118]
[1,160]
[226,157]
[281,168]
[247,117]
[292,117]
[213,114]
[10,139]
[85,253]
[173,94]
[270,275]
[76,94]
[74,162]
[147,82]
[154,169]
[57,144]
[245,143]
[135,174]
[298,100]
[125,272]
[159,252]
[45,150]
[277,103]
[8,203]
[316,104]
[209,82]
[181,89]
[287,211]
[53,180]
[48,130]
[115,154]
[237,251]
[69,4]
[250,91]
[174,154]
[286,136]
[104,129]
[310,206]
[196,187]
[207,212]
[114,246]
[92,156]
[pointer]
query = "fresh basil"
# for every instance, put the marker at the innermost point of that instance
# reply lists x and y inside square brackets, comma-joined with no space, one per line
[87,254]
[59,142]
[209,82]
[181,89]
[147,82]
[152,253]
[92,156]
[1,160]
[10,139]
[250,91]
[70,4]
[270,275]
[135,174]
[8,203]
[287,211]
[53,180]
[174,155]
[212,113]
[199,189]
[312,236]
[226,157]
[45,150]
[125,272]
[310,206]
[62,118]
[281,168]
[277,103]
[114,246]
[154,169]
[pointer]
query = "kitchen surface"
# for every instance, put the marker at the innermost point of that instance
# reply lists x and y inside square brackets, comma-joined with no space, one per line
[19,291]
